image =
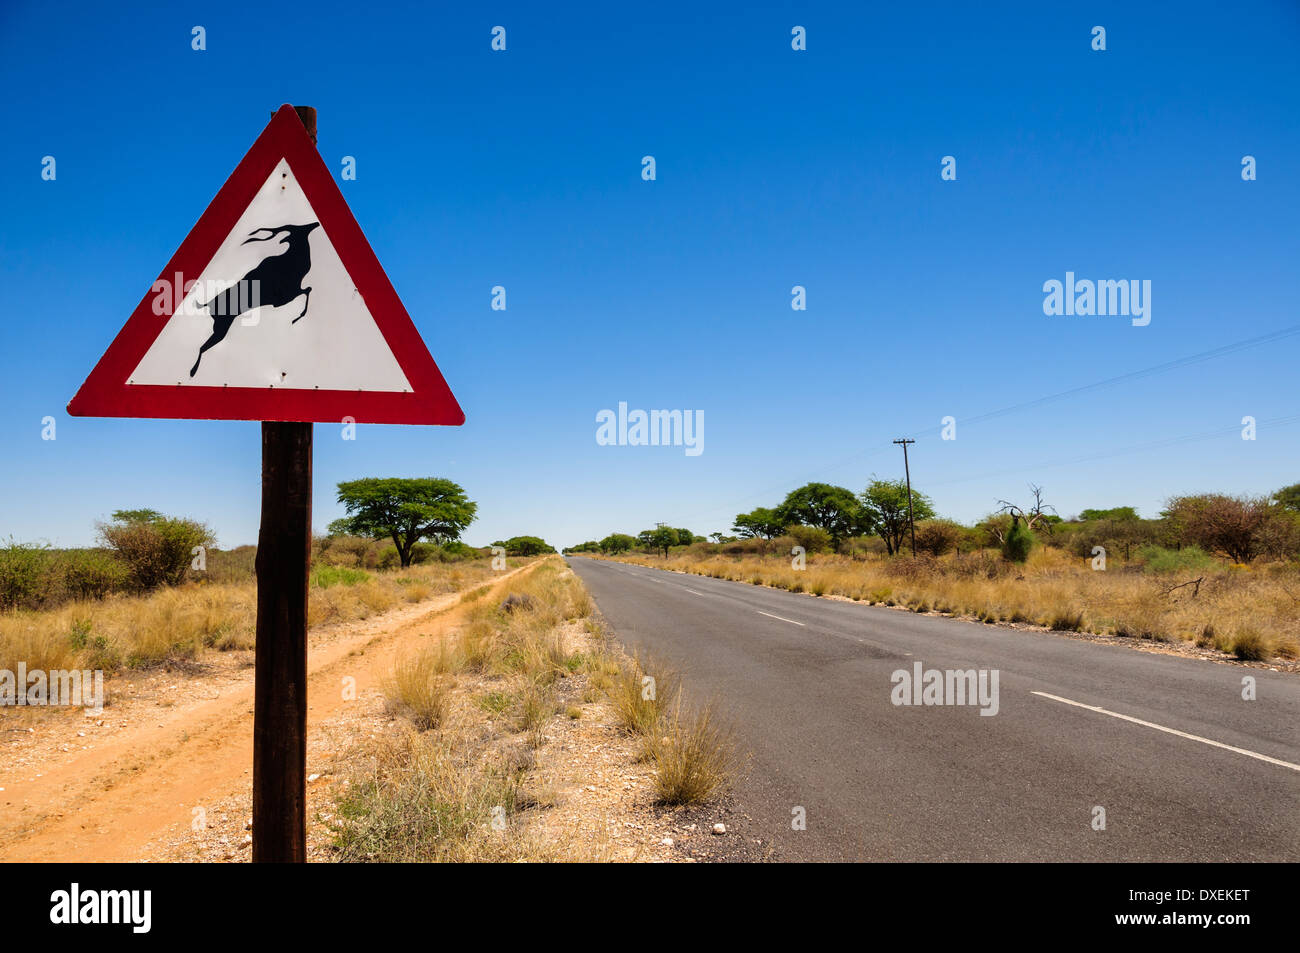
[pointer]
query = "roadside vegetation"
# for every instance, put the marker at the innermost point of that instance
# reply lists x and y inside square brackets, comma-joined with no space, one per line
[1219,571]
[456,778]
[158,591]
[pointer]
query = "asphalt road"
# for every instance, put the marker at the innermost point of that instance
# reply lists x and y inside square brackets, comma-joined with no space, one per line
[806,684]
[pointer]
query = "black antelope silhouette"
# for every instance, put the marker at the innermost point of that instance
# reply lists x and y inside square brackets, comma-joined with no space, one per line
[275,282]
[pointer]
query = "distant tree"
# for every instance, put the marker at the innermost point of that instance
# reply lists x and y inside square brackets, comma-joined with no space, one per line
[1288,498]
[1238,527]
[760,523]
[404,510]
[658,539]
[157,550]
[722,538]
[1117,513]
[136,516]
[884,505]
[616,543]
[832,508]
[1035,516]
[525,546]
[685,537]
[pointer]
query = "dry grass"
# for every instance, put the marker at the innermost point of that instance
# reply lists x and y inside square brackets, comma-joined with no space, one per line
[692,755]
[1052,589]
[435,795]
[427,798]
[420,688]
[175,626]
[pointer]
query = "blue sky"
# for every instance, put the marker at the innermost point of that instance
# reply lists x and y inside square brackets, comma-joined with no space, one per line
[774,168]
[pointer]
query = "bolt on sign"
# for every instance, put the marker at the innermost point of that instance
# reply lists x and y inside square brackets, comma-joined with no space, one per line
[274,308]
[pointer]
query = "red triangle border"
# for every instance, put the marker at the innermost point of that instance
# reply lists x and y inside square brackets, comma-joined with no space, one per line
[107,394]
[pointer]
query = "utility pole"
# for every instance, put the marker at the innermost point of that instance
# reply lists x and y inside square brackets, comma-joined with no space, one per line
[908,471]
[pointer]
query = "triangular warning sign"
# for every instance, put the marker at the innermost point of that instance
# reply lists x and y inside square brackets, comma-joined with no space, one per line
[273,308]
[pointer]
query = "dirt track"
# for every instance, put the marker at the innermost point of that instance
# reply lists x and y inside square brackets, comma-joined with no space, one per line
[153,762]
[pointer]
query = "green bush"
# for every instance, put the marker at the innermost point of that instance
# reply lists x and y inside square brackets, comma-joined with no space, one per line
[325,576]
[813,539]
[1158,559]
[525,546]
[91,573]
[1019,542]
[158,550]
[24,574]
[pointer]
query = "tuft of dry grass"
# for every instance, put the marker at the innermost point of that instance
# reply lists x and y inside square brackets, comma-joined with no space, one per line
[692,755]
[419,689]
[1249,644]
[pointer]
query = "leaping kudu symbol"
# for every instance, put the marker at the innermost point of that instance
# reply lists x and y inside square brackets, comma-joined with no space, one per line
[275,282]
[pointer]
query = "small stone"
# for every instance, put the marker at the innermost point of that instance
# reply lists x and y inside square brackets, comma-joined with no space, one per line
[312,777]
[667,842]
[719,828]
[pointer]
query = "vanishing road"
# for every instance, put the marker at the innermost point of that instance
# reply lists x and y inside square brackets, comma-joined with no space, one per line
[1184,768]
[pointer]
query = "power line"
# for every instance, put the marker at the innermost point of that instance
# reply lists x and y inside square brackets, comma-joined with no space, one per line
[1177,363]
[1132,448]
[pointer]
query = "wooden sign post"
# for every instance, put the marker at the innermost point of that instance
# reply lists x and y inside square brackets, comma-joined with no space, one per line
[275,309]
[280,691]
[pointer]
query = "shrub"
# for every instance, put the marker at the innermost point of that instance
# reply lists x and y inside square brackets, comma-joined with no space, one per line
[938,536]
[345,550]
[1019,542]
[24,574]
[326,576]
[1239,527]
[813,539]
[692,757]
[91,573]
[157,551]
[455,549]
[420,688]
[1250,644]
[1159,559]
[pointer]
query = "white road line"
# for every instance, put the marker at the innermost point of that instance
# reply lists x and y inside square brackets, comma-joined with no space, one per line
[770,616]
[692,590]
[1173,731]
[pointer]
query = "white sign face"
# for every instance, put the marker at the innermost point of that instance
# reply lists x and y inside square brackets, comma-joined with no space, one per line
[274,308]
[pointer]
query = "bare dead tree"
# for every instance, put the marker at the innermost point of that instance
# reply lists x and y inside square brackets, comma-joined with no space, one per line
[1035,517]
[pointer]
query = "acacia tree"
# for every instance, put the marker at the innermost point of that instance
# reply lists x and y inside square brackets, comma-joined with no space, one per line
[832,508]
[658,539]
[1288,497]
[761,523]
[617,543]
[404,510]
[884,507]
